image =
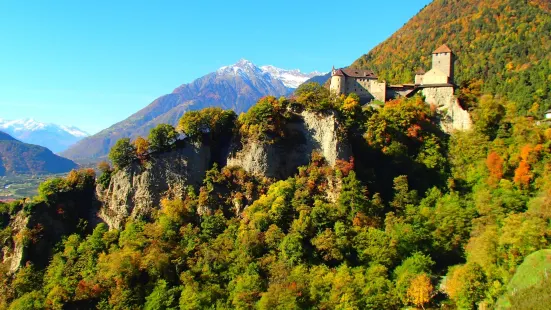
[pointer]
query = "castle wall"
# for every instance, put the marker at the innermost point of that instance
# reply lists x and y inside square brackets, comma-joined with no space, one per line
[444,63]
[337,84]
[378,90]
[419,79]
[435,76]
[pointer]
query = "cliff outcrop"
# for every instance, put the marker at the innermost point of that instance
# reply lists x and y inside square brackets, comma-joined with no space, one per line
[305,133]
[452,115]
[136,190]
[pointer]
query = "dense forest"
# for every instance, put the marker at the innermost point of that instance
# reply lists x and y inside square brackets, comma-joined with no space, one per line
[503,47]
[415,218]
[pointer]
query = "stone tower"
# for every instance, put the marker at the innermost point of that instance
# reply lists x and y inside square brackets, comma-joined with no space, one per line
[442,59]
[337,81]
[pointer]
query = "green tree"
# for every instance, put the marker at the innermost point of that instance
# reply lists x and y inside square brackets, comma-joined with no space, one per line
[162,138]
[122,153]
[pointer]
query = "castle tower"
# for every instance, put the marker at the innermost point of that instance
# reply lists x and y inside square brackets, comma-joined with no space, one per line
[442,59]
[337,81]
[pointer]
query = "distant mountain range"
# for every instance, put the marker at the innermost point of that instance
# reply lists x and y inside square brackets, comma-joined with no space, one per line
[235,87]
[54,137]
[17,157]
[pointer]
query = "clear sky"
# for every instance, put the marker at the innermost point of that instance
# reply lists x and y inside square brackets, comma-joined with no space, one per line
[93,63]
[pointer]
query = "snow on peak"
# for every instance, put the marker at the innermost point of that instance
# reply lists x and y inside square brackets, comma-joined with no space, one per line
[289,78]
[29,124]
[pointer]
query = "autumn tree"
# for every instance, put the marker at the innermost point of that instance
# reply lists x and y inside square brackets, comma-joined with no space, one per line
[522,174]
[495,165]
[142,148]
[420,290]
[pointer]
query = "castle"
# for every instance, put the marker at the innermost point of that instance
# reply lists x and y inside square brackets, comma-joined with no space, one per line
[436,85]
[366,85]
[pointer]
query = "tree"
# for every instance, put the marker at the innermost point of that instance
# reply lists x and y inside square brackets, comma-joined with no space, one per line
[313,96]
[466,284]
[420,290]
[142,148]
[495,165]
[162,138]
[522,174]
[213,122]
[122,153]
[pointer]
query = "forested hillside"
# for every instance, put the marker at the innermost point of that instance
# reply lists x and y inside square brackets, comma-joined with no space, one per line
[503,47]
[17,157]
[415,218]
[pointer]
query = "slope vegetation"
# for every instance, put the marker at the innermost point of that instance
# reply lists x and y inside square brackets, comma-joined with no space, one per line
[17,157]
[503,47]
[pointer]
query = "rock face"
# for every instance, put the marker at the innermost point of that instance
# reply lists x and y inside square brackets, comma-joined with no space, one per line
[13,250]
[453,116]
[308,132]
[137,190]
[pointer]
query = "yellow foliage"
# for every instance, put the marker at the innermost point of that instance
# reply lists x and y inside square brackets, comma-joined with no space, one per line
[420,290]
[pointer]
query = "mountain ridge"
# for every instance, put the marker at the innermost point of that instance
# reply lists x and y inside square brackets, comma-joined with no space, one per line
[55,137]
[235,87]
[17,157]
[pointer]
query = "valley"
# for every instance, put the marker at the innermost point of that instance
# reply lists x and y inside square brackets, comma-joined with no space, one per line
[22,186]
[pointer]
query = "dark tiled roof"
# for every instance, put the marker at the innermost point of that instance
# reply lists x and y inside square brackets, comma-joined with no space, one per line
[442,49]
[359,73]
[339,72]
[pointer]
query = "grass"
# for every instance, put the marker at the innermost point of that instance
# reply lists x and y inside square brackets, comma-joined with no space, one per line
[530,286]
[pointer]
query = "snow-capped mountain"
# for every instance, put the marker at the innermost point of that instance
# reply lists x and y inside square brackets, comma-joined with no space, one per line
[235,87]
[290,78]
[57,138]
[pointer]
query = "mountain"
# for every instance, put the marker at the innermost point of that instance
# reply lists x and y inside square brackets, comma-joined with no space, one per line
[17,157]
[290,78]
[235,87]
[320,79]
[502,47]
[54,137]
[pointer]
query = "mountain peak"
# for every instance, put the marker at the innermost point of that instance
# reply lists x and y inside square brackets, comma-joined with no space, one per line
[290,78]
[54,137]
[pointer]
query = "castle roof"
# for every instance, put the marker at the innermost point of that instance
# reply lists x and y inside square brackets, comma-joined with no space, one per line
[442,49]
[338,72]
[420,71]
[359,73]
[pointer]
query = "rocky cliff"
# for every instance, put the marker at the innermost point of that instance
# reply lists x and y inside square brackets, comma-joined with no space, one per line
[306,132]
[452,115]
[137,190]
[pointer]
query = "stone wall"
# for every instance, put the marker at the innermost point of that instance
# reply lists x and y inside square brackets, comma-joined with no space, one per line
[453,116]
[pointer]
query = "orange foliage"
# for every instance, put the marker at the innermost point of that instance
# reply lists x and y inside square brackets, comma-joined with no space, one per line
[495,165]
[345,166]
[522,174]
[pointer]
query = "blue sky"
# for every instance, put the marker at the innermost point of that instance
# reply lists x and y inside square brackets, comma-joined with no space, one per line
[93,63]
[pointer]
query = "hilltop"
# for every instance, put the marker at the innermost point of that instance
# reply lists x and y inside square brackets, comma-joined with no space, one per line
[502,47]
